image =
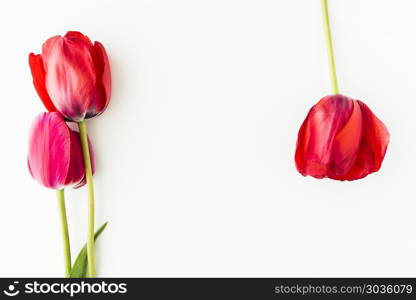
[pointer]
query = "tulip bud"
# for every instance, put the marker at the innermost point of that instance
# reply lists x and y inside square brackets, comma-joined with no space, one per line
[55,156]
[72,76]
[341,139]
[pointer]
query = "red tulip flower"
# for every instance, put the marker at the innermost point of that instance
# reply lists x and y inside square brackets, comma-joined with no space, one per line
[55,156]
[72,76]
[341,139]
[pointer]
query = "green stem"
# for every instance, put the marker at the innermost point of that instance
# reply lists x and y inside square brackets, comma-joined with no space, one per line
[334,80]
[88,174]
[65,233]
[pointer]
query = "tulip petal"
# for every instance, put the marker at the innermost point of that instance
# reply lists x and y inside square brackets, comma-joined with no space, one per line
[70,75]
[318,132]
[373,147]
[77,162]
[346,144]
[38,75]
[49,150]
[78,37]
[103,82]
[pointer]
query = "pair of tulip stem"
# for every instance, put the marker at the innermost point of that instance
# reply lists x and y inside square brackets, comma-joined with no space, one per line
[61,200]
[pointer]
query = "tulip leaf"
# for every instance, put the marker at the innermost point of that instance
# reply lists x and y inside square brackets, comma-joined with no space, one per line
[79,269]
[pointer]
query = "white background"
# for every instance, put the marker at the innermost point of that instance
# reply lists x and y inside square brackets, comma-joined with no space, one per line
[196,174]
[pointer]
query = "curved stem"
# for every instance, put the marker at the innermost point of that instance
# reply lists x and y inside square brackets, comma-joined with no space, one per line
[65,232]
[88,174]
[334,80]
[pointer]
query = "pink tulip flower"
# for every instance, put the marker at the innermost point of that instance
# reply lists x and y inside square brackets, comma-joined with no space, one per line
[55,156]
[72,76]
[341,139]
